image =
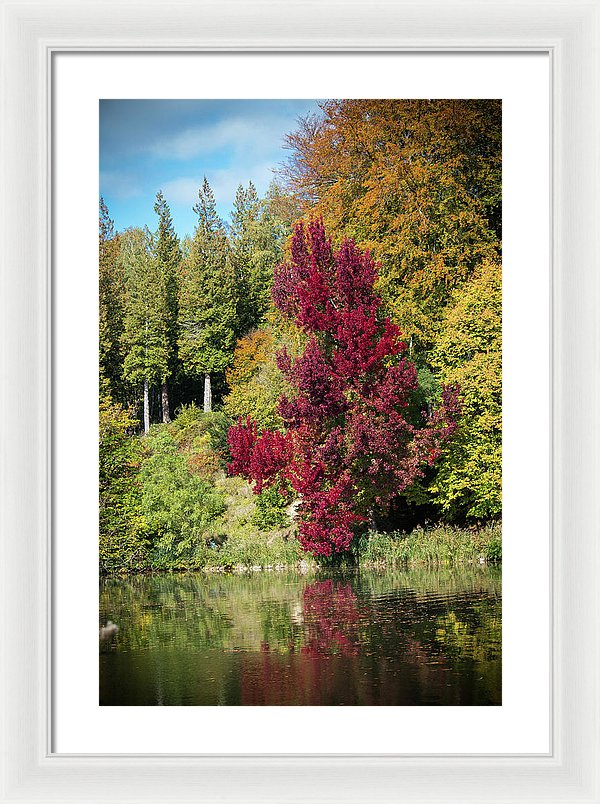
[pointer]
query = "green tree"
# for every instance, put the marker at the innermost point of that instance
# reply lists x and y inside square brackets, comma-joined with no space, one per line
[111,299]
[257,241]
[207,302]
[168,256]
[146,335]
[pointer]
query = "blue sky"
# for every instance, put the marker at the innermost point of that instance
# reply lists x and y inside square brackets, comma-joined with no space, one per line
[169,145]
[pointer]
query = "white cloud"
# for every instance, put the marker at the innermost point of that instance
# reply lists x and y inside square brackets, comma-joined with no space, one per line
[241,134]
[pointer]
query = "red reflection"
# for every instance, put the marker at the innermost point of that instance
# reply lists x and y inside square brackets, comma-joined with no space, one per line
[331,619]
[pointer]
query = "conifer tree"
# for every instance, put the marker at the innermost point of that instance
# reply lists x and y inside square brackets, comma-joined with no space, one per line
[207,302]
[111,298]
[145,338]
[257,238]
[168,256]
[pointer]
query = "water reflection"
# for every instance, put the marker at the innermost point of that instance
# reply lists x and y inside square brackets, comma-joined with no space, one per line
[412,637]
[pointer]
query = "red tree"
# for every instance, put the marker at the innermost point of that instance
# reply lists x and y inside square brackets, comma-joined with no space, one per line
[347,447]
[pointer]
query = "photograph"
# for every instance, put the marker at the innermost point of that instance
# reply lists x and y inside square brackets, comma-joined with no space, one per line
[300,402]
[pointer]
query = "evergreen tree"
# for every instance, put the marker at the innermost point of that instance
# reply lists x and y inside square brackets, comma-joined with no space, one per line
[168,256]
[146,337]
[207,302]
[111,298]
[257,238]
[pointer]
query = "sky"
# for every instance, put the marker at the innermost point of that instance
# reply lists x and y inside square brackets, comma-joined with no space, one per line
[170,145]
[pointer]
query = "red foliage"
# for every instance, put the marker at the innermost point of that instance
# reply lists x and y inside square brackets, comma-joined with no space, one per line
[347,446]
[260,457]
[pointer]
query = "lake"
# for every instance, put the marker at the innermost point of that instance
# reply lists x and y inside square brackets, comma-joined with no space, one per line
[409,637]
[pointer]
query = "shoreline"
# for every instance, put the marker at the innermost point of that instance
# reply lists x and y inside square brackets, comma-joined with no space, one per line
[439,546]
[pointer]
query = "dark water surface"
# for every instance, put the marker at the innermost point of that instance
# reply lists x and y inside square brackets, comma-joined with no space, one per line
[415,637]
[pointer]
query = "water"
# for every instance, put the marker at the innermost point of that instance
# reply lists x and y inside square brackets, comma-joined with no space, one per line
[416,637]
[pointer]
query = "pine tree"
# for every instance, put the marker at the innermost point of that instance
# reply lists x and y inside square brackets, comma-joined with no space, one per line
[111,298]
[168,256]
[207,301]
[257,238]
[146,337]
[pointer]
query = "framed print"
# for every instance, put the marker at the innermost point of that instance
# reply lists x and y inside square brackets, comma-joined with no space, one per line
[321,612]
[310,710]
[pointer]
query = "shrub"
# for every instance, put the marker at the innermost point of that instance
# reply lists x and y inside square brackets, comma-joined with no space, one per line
[270,510]
[178,506]
[122,545]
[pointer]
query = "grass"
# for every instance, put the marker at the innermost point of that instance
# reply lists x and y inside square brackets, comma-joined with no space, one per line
[440,545]
[244,548]
[243,545]
[257,551]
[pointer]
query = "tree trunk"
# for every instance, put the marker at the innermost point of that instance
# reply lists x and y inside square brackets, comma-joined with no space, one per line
[146,408]
[164,402]
[207,394]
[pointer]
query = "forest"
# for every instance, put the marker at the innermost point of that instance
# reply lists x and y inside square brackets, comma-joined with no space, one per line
[317,378]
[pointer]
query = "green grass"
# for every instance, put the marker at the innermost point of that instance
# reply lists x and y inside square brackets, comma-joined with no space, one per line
[264,550]
[440,545]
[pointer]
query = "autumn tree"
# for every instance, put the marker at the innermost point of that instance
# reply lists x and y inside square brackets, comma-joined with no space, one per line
[417,182]
[145,336]
[254,381]
[207,302]
[468,351]
[347,447]
[168,255]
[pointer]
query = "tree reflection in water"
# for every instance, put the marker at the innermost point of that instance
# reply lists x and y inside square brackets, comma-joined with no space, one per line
[331,619]
[405,637]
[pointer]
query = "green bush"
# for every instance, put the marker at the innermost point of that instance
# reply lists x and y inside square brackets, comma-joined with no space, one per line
[178,506]
[122,546]
[197,432]
[493,550]
[270,509]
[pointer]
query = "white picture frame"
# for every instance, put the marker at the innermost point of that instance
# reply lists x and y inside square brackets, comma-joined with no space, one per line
[31,33]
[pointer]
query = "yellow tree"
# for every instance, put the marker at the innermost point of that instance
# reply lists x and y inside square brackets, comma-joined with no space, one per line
[418,182]
[469,352]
